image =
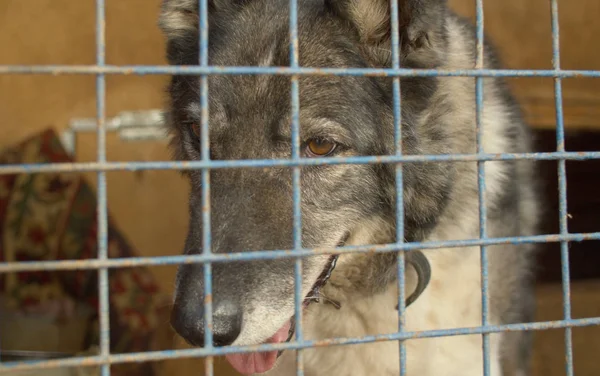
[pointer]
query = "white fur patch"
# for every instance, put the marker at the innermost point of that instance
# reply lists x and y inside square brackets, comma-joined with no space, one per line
[449,302]
[263,80]
[267,59]
[370,17]
[178,17]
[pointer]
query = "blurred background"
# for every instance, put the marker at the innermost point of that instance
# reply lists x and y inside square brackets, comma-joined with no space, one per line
[52,217]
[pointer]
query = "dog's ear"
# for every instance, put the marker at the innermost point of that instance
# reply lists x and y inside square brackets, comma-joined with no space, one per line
[180,23]
[421,23]
[179,18]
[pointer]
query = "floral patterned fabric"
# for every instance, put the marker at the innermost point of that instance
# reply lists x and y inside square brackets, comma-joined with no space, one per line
[53,217]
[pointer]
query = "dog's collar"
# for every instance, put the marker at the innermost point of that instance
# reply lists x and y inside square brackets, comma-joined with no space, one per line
[414,258]
[324,278]
[421,265]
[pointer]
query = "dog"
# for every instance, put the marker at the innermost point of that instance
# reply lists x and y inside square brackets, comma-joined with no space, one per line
[351,204]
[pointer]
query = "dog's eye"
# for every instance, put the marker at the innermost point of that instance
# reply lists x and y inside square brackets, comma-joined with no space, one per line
[196,129]
[319,147]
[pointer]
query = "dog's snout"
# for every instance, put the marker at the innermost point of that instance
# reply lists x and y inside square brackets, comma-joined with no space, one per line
[187,318]
[227,322]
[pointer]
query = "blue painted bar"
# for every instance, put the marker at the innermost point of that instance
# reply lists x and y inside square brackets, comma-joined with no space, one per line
[219,351]
[8,267]
[562,188]
[102,210]
[479,64]
[265,163]
[296,181]
[397,107]
[205,182]
[300,71]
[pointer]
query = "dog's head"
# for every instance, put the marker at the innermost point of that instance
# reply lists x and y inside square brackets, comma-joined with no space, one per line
[250,116]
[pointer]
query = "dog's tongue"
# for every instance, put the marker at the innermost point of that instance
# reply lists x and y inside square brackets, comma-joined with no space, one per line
[252,363]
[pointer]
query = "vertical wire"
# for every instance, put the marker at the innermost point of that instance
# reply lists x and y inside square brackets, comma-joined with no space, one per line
[481,188]
[295,112]
[397,108]
[562,188]
[205,183]
[102,206]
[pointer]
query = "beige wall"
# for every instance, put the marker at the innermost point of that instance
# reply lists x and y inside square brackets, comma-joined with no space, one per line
[149,207]
[521,30]
[63,32]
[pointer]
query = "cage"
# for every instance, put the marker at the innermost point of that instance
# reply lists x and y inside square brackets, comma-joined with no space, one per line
[83,68]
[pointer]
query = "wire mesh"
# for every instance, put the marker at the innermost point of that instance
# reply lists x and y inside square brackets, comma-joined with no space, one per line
[105,359]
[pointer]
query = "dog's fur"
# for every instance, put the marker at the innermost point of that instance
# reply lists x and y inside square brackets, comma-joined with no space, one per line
[252,208]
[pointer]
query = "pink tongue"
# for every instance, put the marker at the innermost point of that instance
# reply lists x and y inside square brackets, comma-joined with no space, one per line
[251,363]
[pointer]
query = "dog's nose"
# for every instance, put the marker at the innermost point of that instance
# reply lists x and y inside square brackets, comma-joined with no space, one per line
[187,318]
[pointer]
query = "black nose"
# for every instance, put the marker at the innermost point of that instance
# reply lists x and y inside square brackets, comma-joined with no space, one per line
[187,318]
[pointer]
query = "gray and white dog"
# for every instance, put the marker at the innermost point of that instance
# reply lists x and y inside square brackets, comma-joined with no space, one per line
[250,118]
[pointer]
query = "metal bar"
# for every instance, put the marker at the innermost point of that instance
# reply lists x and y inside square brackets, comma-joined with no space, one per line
[130,262]
[296,180]
[265,163]
[292,345]
[102,206]
[129,125]
[397,107]
[300,71]
[205,185]
[479,64]
[562,188]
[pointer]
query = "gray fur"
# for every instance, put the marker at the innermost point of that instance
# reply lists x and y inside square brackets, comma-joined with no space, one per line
[250,117]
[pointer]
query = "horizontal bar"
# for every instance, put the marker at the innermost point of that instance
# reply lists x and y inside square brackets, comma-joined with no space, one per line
[301,71]
[22,266]
[219,351]
[263,163]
